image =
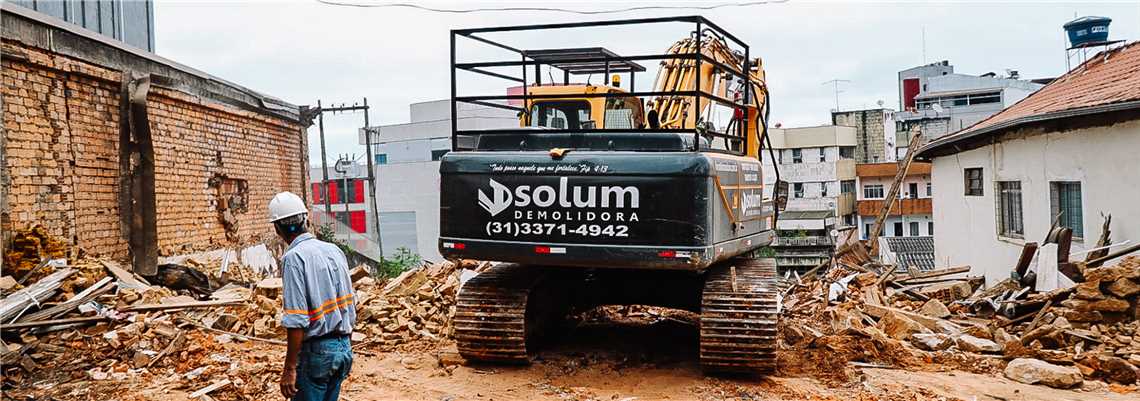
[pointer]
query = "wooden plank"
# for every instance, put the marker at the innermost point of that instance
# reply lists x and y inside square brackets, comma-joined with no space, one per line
[125,278]
[54,322]
[18,302]
[99,288]
[208,389]
[180,305]
[936,273]
[892,196]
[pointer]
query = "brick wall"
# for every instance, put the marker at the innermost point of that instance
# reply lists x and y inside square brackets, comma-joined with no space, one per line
[869,133]
[61,133]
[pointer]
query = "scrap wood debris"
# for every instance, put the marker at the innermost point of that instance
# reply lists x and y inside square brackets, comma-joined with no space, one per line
[88,328]
[860,313]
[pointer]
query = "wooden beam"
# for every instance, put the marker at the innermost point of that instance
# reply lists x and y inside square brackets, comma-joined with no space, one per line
[892,196]
[54,322]
[180,305]
[936,273]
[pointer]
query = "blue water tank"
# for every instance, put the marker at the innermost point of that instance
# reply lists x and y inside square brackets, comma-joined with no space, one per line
[1086,30]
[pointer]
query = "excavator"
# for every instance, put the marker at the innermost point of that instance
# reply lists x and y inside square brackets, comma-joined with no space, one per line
[608,196]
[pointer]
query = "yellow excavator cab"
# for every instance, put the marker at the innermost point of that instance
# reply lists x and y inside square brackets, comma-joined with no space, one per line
[574,111]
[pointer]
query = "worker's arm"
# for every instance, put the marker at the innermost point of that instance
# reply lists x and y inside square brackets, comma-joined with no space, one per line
[295,320]
[294,338]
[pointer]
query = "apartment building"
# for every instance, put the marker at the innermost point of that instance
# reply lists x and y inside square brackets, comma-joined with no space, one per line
[939,101]
[910,215]
[874,133]
[819,165]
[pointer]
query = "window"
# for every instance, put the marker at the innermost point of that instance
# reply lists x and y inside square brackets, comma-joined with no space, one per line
[866,231]
[914,229]
[847,187]
[849,219]
[873,191]
[930,228]
[1009,209]
[913,187]
[438,153]
[797,156]
[846,152]
[1065,199]
[823,189]
[898,229]
[381,158]
[799,189]
[973,181]
[929,192]
[561,115]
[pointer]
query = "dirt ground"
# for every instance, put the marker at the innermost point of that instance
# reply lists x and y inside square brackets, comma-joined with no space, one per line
[658,362]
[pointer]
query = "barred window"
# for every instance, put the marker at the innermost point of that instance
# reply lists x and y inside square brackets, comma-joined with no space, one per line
[973,181]
[847,186]
[1065,198]
[1010,223]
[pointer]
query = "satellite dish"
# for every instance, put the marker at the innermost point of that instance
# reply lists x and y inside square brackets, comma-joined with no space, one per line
[834,233]
[880,103]
[937,108]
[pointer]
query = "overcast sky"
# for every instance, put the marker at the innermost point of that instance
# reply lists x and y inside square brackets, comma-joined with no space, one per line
[301,50]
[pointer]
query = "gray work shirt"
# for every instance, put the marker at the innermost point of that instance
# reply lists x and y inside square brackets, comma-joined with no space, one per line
[317,288]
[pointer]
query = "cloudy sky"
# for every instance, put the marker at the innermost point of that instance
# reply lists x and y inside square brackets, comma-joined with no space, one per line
[303,50]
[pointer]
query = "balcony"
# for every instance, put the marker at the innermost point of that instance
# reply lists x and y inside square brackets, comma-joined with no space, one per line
[802,241]
[872,207]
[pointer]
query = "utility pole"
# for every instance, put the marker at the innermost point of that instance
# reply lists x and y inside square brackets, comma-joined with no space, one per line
[372,178]
[835,83]
[324,160]
[368,142]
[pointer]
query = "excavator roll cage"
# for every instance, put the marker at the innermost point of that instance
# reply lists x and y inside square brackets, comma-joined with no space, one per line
[708,45]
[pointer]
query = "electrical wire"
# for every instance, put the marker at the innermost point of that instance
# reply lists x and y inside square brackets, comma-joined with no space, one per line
[547,9]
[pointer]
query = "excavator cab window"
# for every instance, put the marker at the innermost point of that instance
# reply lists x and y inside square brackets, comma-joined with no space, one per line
[561,115]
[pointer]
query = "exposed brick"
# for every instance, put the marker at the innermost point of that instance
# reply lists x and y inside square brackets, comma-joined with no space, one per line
[62,156]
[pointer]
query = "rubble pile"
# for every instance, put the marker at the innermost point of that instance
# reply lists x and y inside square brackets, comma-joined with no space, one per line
[862,314]
[89,328]
[418,304]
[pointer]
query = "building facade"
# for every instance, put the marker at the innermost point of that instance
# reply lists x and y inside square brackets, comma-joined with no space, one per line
[874,133]
[939,101]
[128,21]
[819,166]
[910,215]
[1065,153]
[407,172]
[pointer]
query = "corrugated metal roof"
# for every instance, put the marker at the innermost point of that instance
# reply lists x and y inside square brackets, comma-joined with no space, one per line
[912,251]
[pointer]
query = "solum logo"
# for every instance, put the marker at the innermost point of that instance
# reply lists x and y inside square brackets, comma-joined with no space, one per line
[564,195]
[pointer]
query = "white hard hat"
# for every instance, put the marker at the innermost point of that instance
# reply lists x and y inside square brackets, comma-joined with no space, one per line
[284,205]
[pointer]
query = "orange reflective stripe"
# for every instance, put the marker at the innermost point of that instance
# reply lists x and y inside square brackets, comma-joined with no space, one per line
[331,308]
[321,310]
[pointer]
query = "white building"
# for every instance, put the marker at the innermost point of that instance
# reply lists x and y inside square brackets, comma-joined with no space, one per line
[407,170]
[1070,147]
[910,216]
[818,164]
[941,101]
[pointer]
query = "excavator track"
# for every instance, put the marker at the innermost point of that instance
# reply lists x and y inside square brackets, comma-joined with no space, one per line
[739,313]
[491,319]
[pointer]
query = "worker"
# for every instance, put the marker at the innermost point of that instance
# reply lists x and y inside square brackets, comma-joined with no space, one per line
[319,307]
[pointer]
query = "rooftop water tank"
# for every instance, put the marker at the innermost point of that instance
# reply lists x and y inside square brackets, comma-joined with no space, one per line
[1087,30]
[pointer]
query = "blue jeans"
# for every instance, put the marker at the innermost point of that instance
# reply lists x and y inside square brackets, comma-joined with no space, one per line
[323,364]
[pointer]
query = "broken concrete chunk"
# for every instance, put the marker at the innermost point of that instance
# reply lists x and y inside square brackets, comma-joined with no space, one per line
[1089,291]
[1123,287]
[1034,371]
[931,341]
[970,343]
[899,327]
[935,308]
[1118,370]
[7,283]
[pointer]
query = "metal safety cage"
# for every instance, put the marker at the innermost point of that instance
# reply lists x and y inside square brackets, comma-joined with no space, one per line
[592,60]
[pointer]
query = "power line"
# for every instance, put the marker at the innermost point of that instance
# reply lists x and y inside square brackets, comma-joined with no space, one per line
[548,9]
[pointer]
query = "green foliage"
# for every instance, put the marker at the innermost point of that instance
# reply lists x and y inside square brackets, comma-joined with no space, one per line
[403,260]
[327,233]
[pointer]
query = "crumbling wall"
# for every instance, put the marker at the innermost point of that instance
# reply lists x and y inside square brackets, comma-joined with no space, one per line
[61,124]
